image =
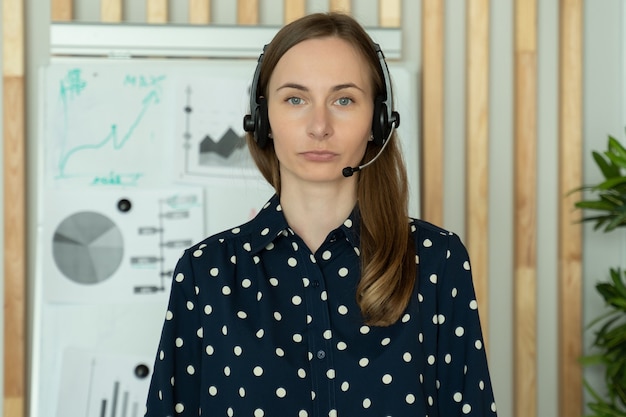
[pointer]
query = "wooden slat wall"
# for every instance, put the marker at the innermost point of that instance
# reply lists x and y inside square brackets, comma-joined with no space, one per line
[477,151]
[524,241]
[432,111]
[13,134]
[570,231]
[525,206]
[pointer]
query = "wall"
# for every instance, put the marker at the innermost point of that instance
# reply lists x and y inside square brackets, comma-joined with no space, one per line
[603,114]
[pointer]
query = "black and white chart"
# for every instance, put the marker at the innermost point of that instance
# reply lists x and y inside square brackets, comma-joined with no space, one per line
[116,246]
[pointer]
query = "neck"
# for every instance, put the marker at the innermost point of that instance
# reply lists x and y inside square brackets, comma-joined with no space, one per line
[313,212]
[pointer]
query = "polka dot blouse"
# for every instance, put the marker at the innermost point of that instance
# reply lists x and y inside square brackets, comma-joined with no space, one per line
[257,325]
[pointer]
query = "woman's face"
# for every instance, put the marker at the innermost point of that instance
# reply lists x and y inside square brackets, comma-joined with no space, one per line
[320,105]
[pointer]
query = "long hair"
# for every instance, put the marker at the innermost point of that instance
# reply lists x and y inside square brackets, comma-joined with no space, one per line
[387,253]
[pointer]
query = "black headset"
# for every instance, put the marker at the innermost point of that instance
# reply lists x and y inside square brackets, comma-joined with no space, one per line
[383,120]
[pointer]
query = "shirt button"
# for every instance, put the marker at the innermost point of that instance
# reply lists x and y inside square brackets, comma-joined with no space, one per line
[316,283]
[321,354]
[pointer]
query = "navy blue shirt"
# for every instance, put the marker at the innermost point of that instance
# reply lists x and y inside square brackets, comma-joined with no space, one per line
[257,325]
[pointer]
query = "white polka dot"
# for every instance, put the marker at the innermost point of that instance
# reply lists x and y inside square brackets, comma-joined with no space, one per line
[348,223]
[259,413]
[169,315]
[179,342]
[431,400]
[385,341]
[224,330]
[212,391]
[277,316]
[431,360]
[226,290]
[341,346]
[200,332]
[179,408]
[227,370]
[197,253]
[247,247]
[179,277]
[233,259]
[458,397]
[441,319]
[407,357]
[292,262]
[467,408]
[481,385]
[237,350]
[294,245]
[306,282]
[454,292]
[242,392]
[191,370]
[433,278]
[257,371]
[448,358]
[459,331]
[466,265]
[332,413]
[420,337]
[301,373]
[328,334]
[273,282]
[297,338]
[493,407]
[363,362]
[242,314]
[330,374]
[161,355]
[265,231]
[387,379]
[478,344]
[296,300]
[208,309]
[367,403]
[303,413]
[210,350]
[427,243]
[214,272]
[326,255]
[324,295]
[246,283]
[235,230]
[343,272]
[189,305]
[364,329]
[309,319]
[281,392]
[345,386]
[473,305]
[410,398]
[406,318]
[280,352]
[343,310]
[260,333]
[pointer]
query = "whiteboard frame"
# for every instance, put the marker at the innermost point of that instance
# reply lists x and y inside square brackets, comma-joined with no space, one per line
[178,41]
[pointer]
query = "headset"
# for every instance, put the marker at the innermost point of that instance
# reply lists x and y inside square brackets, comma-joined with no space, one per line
[384,119]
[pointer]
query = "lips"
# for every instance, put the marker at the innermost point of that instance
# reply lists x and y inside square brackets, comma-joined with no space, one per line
[319,156]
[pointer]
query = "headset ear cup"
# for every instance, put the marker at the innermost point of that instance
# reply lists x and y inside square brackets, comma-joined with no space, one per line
[380,124]
[262,128]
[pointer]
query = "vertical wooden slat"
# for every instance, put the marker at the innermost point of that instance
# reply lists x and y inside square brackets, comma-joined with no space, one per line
[156,11]
[247,12]
[477,149]
[294,9]
[13,102]
[199,12]
[61,10]
[570,232]
[432,111]
[344,6]
[111,11]
[389,13]
[525,206]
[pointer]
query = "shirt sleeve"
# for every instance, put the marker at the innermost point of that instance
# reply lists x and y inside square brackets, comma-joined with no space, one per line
[174,386]
[462,371]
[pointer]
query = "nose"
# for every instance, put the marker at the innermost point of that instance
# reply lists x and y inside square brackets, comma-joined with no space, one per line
[320,123]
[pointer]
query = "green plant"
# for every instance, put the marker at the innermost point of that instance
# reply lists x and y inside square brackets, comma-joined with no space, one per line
[610,334]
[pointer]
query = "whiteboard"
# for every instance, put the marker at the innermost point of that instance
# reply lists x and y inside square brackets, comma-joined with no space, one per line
[139,159]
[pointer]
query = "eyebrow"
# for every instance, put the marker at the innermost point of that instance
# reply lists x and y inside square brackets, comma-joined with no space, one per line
[301,87]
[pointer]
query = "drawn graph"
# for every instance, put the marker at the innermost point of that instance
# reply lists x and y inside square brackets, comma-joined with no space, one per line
[103,385]
[98,119]
[113,246]
[210,113]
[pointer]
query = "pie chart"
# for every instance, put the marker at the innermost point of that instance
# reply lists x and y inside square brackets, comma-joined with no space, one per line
[88,247]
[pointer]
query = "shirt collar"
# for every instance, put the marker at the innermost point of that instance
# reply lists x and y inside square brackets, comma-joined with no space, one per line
[271,224]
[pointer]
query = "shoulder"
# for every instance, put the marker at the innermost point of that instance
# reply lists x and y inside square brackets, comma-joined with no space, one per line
[437,247]
[427,234]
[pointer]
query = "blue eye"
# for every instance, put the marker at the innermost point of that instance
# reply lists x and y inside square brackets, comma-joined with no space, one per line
[344,101]
[294,100]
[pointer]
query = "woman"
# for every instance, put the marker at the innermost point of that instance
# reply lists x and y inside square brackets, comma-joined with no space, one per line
[332,301]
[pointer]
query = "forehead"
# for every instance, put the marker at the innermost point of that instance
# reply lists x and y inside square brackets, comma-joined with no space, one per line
[328,57]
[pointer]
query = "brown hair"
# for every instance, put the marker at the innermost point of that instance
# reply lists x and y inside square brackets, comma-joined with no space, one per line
[387,251]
